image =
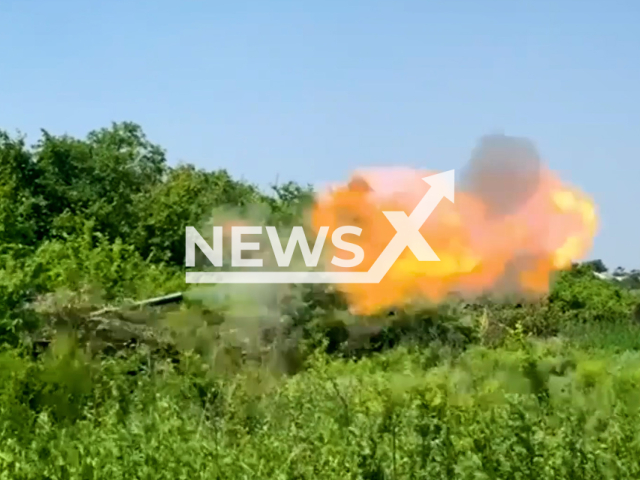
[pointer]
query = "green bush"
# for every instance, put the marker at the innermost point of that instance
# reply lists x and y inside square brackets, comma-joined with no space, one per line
[540,410]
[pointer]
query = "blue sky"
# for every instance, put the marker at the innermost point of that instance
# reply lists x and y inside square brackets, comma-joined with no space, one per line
[310,90]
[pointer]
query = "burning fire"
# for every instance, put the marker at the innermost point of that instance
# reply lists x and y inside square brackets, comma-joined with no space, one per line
[480,250]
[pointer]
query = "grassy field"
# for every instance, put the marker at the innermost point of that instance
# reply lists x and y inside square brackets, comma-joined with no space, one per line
[462,391]
[529,409]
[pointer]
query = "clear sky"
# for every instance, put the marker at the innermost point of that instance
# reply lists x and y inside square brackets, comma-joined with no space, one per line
[309,90]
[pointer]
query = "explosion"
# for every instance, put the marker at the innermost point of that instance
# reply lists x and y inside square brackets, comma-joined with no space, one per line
[513,224]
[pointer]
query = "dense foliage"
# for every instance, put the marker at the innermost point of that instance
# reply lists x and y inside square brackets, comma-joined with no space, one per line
[277,383]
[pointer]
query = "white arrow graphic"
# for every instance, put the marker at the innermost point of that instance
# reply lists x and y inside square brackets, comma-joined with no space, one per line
[408,228]
[407,235]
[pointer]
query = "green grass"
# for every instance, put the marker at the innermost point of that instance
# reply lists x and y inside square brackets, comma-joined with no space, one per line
[536,411]
[615,336]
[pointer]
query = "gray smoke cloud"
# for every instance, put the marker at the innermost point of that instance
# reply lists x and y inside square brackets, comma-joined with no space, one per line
[503,171]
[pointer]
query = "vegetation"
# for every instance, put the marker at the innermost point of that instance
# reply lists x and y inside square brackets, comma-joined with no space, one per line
[276,383]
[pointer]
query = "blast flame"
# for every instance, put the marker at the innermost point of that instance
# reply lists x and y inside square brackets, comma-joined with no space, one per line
[481,250]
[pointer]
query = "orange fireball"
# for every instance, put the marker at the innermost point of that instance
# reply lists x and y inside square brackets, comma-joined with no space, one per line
[478,250]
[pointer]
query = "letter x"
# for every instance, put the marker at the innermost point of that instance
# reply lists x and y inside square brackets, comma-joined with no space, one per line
[408,229]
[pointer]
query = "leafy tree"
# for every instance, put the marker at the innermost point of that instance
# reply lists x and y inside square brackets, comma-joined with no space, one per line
[597,266]
[102,178]
[21,209]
